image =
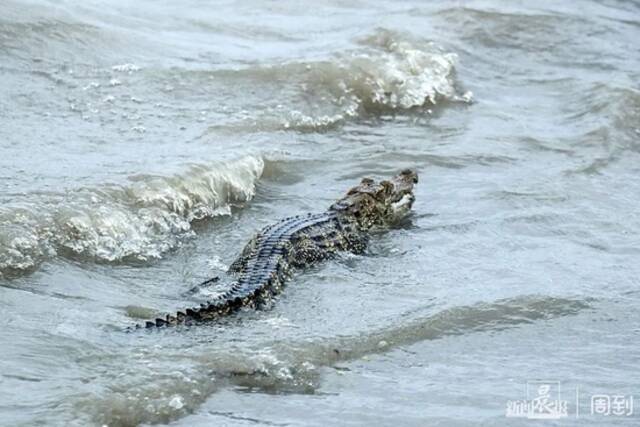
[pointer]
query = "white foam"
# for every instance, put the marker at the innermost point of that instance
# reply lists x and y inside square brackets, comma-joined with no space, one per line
[125,68]
[139,221]
[387,74]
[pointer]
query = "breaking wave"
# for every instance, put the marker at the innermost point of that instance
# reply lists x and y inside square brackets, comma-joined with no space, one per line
[139,221]
[386,74]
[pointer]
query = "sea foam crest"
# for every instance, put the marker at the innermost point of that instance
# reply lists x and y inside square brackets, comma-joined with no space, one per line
[138,221]
[385,75]
[402,75]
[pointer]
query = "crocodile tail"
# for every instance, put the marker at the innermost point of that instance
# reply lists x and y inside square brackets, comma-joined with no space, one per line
[237,297]
[206,311]
[230,302]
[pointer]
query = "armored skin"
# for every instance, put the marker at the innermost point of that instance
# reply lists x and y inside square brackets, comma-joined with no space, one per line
[300,241]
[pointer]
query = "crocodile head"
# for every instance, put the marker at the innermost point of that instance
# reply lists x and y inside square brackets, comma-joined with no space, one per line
[381,203]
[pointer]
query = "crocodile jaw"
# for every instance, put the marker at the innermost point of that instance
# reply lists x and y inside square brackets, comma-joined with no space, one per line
[402,207]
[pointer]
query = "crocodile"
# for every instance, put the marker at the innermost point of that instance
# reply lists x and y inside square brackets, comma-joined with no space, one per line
[269,258]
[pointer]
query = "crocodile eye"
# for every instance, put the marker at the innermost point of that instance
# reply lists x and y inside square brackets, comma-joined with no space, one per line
[366,181]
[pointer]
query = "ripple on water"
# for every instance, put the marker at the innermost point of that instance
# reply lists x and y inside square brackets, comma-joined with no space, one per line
[155,392]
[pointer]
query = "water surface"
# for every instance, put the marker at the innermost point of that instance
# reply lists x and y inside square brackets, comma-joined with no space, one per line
[142,145]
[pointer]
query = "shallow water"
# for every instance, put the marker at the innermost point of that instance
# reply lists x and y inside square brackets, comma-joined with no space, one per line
[143,145]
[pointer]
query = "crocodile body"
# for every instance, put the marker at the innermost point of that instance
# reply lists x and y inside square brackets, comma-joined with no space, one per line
[301,241]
